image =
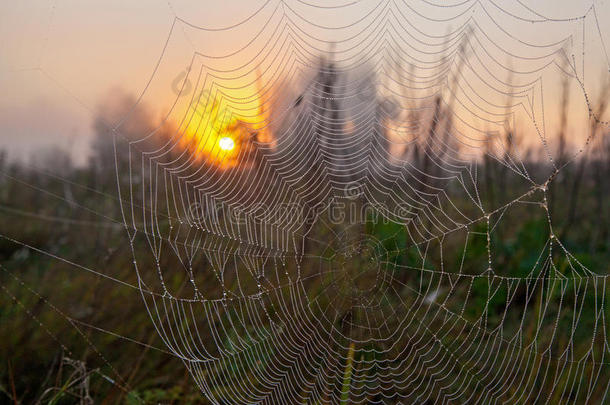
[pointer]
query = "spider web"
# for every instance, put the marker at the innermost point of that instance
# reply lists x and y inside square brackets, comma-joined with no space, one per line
[314,255]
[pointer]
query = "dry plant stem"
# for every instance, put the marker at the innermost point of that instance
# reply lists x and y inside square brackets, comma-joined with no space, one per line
[582,164]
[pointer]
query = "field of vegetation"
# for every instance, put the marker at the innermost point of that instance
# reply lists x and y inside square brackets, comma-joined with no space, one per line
[74,330]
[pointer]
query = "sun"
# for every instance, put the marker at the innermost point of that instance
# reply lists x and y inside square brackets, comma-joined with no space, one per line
[226,143]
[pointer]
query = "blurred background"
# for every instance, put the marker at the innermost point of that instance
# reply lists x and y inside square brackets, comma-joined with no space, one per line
[74,329]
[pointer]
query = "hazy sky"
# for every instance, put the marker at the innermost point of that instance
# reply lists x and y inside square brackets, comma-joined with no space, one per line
[60,59]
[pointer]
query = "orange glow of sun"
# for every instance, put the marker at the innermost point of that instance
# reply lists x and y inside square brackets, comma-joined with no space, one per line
[221,127]
[214,135]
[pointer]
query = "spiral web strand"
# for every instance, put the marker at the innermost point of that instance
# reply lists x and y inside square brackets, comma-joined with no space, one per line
[310,262]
